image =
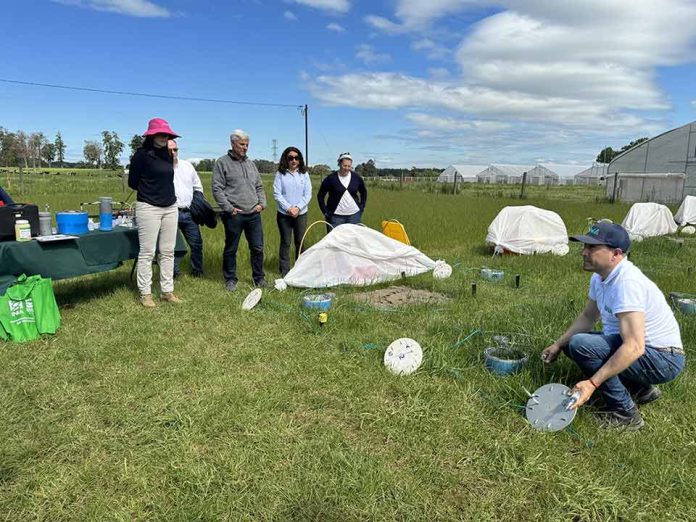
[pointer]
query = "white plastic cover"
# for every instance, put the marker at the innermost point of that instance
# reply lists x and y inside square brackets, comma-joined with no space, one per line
[648,220]
[528,230]
[687,211]
[356,255]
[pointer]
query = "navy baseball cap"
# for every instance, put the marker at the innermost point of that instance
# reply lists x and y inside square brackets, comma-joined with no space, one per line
[609,234]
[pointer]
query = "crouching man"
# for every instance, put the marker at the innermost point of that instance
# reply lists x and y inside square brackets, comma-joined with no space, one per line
[640,344]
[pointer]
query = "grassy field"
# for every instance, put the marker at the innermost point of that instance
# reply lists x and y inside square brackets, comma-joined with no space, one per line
[204,412]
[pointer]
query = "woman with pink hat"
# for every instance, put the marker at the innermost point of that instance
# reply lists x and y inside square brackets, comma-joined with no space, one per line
[152,176]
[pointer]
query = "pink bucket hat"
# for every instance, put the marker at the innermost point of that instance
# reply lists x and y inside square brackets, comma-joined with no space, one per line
[159,126]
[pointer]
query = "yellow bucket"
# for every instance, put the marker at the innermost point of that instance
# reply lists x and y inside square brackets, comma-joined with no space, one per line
[395,230]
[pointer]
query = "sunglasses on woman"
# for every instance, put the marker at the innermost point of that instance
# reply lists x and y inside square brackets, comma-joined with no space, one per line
[290,158]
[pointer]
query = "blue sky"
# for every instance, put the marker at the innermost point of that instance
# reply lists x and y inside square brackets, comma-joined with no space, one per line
[404,82]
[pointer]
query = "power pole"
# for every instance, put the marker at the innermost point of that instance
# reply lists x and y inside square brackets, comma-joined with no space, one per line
[306,134]
[275,150]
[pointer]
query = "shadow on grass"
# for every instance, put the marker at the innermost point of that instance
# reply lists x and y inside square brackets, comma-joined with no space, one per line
[70,292]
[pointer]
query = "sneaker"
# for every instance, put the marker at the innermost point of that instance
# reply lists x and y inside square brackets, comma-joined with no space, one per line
[147,301]
[261,284]
[170,298]
[647,394]
[231,286]
[613,419]
[196,273]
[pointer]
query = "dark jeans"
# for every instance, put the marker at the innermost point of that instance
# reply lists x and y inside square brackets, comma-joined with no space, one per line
[591,350]
[290,228]
[192,235]
[234,225]
[336,220]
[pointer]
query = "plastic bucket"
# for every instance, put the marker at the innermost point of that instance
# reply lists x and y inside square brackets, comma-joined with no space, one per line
[503,360]
[492,275]
[72,222]
[318,301]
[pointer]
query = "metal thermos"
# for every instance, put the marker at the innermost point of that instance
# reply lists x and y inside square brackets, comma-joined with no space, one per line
[45,224]
[106,218]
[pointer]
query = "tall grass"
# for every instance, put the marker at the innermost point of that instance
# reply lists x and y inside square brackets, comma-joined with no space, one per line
[204,412]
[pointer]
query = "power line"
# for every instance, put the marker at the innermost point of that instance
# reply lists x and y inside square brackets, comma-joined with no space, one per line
[148,95]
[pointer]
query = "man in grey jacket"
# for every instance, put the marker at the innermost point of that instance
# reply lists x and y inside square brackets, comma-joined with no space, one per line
[238,189]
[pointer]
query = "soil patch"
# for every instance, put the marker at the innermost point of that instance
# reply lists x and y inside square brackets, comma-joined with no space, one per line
[396,296]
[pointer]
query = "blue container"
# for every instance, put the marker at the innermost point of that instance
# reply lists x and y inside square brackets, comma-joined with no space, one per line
[72,222]
[106,218]
[504,360]
[106,221]
[492,275]
[318,301]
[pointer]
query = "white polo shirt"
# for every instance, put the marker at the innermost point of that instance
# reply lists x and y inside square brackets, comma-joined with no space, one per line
[627,289]
[186,180]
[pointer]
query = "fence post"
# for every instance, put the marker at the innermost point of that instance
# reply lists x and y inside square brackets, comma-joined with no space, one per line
[524,181]
[616,182]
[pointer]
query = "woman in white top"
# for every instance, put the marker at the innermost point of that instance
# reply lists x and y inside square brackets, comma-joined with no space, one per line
[292,190]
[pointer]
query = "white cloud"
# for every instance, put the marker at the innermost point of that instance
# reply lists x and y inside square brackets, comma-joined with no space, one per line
[416,14]
[430,121]
[591,65]
[337,6]
[367,54]
[289,15]
[335,27]
[383,24]
[139,8]
[431,49]
[438,73]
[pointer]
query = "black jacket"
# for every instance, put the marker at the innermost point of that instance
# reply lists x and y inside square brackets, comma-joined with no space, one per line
[333,187]
[152,175]
[201,211]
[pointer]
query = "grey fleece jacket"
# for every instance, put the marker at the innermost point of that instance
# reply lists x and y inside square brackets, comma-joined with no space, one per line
[237,184]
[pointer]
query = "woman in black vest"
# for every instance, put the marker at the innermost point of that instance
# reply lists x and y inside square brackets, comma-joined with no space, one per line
[347,194]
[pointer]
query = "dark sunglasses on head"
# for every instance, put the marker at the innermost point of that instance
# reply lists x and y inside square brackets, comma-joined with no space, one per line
[290,158]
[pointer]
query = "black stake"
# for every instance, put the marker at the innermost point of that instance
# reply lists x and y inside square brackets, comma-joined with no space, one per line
[473,289]
[517,280]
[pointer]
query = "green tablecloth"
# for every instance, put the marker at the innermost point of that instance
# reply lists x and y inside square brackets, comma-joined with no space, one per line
[90,253]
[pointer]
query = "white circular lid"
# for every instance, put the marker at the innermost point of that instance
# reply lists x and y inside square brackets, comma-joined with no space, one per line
[403,357]
[547,408]
[252,299]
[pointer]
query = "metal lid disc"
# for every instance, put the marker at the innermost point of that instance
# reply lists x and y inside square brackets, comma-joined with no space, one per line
[252,299]
[546,408]
[404,356]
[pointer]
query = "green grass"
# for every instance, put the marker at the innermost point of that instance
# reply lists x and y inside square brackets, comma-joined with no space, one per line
[205,412]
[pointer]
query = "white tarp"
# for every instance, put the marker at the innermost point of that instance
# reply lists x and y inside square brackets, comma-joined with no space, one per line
[687,211]
[357,255]
[528,230]
[648,220]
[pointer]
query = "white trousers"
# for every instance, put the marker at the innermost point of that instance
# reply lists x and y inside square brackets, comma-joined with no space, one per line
[153,221]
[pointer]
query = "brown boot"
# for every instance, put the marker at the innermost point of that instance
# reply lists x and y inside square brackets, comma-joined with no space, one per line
[147,301]
[170,298]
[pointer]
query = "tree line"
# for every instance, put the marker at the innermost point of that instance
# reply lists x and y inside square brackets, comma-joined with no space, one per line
[22,149]
[608,154]
[367,169]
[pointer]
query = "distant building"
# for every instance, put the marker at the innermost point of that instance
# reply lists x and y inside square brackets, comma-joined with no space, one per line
[594,175]
[663,162]
[499,173]
[460,173]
